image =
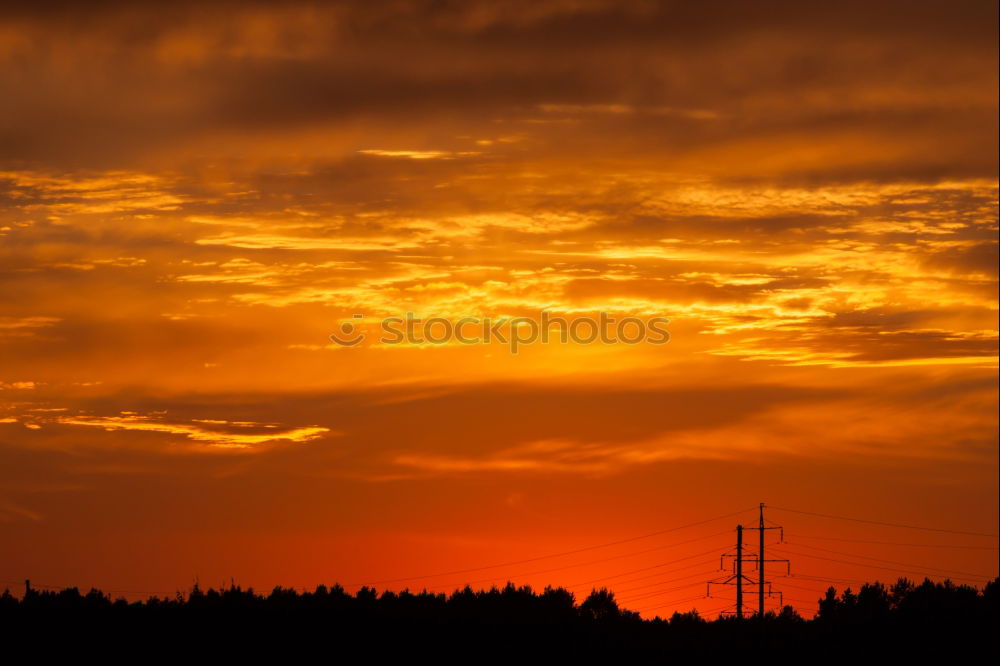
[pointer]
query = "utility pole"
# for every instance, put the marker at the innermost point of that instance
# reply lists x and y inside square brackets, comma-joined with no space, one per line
[738,577]
[760,564]
[739,571]
[763,593]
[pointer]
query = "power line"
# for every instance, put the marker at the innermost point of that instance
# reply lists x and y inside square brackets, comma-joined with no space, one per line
[905,564]
[650,595]
[799,587]
[895,543]
[673,603]
[626,591]
[655,566]
[820,579]
[583,564]
[701,612]
[875,566]
[658,573]
[639,606]
[553,555]
[606,559]
[884,524]
[812,604]
[709,611]
[631,597]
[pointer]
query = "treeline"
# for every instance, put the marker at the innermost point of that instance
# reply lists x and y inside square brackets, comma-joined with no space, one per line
[509,621]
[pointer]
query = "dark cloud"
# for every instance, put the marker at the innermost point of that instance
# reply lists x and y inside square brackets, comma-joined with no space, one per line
[126,83]
[975,258]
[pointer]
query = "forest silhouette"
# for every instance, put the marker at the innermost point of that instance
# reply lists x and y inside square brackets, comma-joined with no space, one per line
[506,623]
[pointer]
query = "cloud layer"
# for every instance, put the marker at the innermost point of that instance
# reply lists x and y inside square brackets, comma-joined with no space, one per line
[193,199]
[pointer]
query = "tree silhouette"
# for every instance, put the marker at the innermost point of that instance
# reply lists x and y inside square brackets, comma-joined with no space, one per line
[509,622]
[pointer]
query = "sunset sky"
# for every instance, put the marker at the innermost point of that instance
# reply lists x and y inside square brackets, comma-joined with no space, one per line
[193,198]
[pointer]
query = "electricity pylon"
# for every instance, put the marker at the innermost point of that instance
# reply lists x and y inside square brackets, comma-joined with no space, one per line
[738,578]
[761,582]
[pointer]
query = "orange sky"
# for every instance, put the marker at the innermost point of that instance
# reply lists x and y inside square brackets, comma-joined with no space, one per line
[193,199]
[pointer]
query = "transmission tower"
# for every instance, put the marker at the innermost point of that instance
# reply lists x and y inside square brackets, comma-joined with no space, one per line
[739,557]
[761,560]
